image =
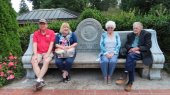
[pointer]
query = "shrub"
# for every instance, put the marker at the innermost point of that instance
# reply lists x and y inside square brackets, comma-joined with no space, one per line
[91,13]
[158,10]
[56,25]
[124,20]
[161,25]
[143,6]
[10,69]
[9,37]
[25,33]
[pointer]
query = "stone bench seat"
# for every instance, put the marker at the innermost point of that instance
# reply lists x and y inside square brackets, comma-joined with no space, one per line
[89,61]
[88,33]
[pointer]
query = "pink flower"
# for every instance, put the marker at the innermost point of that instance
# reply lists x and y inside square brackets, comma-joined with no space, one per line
[9,71]
[4,63]
[11,57]
[11,64]
[1,74]
[15,67]
[15,57]
[0,66]
[10,77]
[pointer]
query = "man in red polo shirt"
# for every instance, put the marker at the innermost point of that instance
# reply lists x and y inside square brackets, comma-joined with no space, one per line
[43,40]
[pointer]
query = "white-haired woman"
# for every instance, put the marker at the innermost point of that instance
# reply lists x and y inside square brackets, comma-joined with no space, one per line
[110,45]
[65,41]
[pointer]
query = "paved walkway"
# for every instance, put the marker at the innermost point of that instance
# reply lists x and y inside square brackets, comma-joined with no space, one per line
[82,92]
[88,82]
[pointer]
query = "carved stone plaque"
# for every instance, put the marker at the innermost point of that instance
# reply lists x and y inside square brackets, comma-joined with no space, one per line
[88,34]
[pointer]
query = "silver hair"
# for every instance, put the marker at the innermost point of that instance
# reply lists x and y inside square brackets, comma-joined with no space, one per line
[110,24]
[138,23]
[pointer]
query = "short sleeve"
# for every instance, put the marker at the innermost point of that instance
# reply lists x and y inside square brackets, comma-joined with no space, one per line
[52,36]
[35,39]
[74,38]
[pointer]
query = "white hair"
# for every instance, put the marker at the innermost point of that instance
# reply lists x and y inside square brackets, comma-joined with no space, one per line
[110,24]
[138,24]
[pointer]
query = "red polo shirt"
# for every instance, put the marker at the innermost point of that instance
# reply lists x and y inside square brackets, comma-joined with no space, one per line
[43,41]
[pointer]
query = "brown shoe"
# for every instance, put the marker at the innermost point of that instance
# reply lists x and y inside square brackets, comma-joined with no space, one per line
[121,81]
[128,87]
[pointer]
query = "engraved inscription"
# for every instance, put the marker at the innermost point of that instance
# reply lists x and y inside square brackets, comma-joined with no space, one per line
[88,46]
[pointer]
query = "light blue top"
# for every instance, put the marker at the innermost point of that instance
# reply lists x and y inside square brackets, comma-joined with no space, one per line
[135,42]
[110,43]
[114,45]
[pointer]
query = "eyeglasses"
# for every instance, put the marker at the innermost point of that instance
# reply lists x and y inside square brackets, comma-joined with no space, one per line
[109,27]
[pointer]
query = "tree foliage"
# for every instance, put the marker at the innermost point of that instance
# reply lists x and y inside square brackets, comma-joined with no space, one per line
[9,37]
[143,6]
[23,7]
[102,5]
[74,5]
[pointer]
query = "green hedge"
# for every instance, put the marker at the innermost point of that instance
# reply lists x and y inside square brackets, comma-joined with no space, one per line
[10,48]
[124,21]
[90,13]
[9,37]
[25,35]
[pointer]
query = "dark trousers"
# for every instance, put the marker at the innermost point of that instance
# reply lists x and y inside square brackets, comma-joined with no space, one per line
[64,63]
[131,64]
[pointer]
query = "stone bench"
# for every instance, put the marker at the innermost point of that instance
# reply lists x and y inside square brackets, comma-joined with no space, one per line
[88,33]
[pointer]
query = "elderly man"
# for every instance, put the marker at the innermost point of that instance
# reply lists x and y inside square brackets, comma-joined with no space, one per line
[138,47]
[43,40]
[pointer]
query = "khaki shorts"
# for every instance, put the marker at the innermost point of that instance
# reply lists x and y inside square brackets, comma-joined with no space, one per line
[40,58]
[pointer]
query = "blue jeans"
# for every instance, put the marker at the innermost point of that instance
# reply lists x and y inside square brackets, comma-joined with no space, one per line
[108,65]
[131,64]
[64,63]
